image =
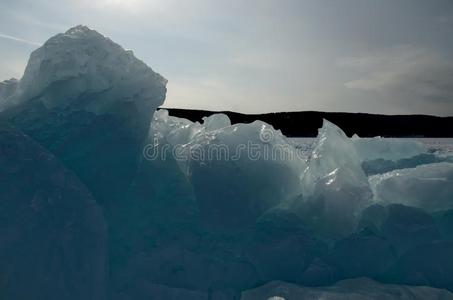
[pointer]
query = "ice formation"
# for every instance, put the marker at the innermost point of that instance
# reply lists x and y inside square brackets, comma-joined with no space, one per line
[333,164]
[102,197]
[90,103]
[404,227]
[387,148]
[334,186]
[429,187]
[82,91]
[53,241]
[83,69]
[237,171]
[216,121]
[170,130]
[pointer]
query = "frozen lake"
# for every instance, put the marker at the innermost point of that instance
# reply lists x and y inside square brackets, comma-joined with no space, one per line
[437,145]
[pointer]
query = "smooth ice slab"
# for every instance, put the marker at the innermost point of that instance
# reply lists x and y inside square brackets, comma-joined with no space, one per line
[429,187]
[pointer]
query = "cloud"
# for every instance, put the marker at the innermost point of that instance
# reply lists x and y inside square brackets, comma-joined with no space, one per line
[17,39]
[406,74]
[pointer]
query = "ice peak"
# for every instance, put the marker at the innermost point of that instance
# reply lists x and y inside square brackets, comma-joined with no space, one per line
[81,32]
[87,65]
[79,29]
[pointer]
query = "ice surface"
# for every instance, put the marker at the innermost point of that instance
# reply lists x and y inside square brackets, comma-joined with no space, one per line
[355,289]
[381,166]
[364,253]
[444,222]
[387,148]
[282,248]
[428,264]
[403,226]
[53,235]
[429,187]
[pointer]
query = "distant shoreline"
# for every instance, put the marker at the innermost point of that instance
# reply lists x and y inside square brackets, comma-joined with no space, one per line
[306,123]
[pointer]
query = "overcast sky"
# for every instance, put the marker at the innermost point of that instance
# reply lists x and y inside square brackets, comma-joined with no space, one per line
[377,56]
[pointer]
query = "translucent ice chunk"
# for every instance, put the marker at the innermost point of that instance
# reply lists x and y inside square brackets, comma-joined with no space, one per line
[237,171]
[335,187]
[216,121]
[172,130]
[429,187]
[240,171]
[83,69]
[334,162]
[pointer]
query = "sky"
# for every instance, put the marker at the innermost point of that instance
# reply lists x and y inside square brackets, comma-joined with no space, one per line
[255,56]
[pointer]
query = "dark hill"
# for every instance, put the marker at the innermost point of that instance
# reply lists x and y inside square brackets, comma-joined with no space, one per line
[306,123]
